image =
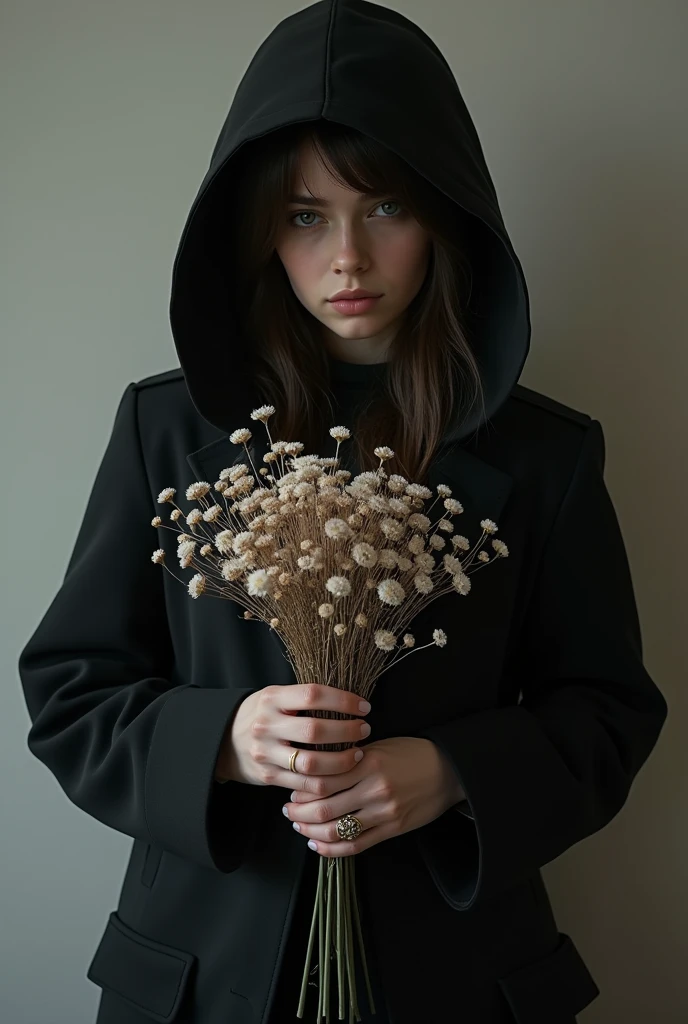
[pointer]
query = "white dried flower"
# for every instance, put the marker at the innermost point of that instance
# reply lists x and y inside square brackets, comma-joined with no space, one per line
[397,484]
[175,514]
[392,529]
[259,584]
[452,564]
[156,521]
[274,622]
[263,413]
[391,592]
[488,526]
[423,583]
[404,564]
[439,636]
[206,549]
[461,583]
[338,586]
[293,447]
[158,556]
[340,433]
[242,542]
[425,561]
[234,472]
[385,640]
[443,491]
[337,529]
[361,620]
[483,557]
[416,545]
[194,516]
[418,491]
[240,436]
[306,562]
[326,610]
[409,640]
[436,543]
[445,526]
[387,558]
[224,542]
[384,453]
[501,548]
[184,537]
[340,629]
[462,543]
[419,522]
[212,514]
[167,494]
[196,585]
[232,569]
[197,490]
[185,552]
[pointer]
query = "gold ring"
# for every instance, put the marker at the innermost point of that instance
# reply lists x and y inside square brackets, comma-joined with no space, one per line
[292,759]
[349,827]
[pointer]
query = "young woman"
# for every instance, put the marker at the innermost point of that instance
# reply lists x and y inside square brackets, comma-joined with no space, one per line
[348,161]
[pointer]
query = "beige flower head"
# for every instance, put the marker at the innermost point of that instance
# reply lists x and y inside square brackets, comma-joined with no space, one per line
[383,453]
[443,491]
[240,436]
[337,529]
[409,640]
[326,610]
[176,514]
[385,640]
[461,583]
[259,584]
[263,413]
[391,592]
[196,585]
[455,507]
[423,583]
[338,586]
[156,521]
[167,494]
[462,543]
[483,557]
[501,548]
[488,526]
[340,629]
[361,620]
[158,556]
[440,637]
[340,433]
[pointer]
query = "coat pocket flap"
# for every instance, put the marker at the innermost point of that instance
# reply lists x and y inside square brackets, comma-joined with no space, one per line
[551,990]
[149,975]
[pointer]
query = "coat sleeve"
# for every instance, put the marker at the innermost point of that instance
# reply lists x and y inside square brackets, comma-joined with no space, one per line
[557,766]
[125,743]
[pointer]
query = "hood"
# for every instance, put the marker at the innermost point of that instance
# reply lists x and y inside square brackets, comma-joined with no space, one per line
[370,68]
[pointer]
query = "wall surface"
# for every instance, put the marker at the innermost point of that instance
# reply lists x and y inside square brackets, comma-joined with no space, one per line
[108,116]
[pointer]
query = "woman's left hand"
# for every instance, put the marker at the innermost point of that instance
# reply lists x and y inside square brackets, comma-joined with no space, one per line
[404,782]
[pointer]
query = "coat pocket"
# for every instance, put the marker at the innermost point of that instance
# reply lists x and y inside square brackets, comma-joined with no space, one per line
[550,990]
[148,975]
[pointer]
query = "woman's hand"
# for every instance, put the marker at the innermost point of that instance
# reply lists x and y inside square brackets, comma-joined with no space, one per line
[402,783]
[260,740]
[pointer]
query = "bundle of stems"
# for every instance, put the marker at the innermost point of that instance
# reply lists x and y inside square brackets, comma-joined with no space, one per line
[338,570]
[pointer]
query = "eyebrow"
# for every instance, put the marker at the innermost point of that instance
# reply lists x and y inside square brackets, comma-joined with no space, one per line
[316,201]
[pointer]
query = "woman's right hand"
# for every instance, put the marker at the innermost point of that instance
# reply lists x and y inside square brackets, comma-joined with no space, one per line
[266,728]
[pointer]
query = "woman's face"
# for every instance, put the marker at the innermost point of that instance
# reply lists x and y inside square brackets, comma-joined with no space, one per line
[348,240]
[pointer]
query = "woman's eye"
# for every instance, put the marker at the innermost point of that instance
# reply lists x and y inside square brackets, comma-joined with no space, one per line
[310,213]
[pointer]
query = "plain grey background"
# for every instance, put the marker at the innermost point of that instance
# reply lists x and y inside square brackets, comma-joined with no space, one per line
[109,114]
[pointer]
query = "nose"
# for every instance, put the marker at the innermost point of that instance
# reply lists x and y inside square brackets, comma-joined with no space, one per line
[350,256]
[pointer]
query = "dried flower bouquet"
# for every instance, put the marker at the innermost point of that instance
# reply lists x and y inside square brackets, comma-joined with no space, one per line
[338,569]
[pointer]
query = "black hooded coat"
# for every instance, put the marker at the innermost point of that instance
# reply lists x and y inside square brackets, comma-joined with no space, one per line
[540,701]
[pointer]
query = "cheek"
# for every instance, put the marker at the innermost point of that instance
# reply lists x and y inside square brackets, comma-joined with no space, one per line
[406,258]
[299,266]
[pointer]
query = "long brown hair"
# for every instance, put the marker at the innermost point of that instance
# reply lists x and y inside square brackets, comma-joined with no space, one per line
[432,375]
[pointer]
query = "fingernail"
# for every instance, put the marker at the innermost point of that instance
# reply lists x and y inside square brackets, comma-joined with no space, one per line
[365,729]
[296,826]
[358,755]
[312,845]
[285,811]
[364,706]
[293,796]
